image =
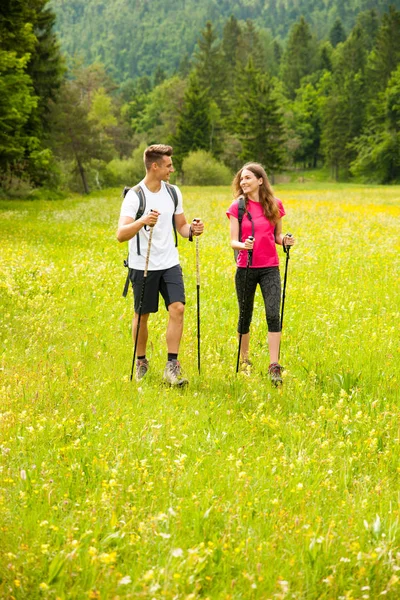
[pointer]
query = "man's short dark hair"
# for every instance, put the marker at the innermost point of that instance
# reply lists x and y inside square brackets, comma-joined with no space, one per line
[154,153]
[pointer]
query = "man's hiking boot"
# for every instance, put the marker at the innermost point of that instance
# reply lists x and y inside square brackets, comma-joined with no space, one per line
[275,373]
[173,374]
[142,366]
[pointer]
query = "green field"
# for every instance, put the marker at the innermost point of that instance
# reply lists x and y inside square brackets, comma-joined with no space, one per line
[229,489]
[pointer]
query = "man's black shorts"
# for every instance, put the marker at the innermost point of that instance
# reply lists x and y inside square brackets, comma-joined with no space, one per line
[167,282]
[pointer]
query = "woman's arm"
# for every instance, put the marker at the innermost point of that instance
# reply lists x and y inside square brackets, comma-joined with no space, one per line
[279,236]
[235,244]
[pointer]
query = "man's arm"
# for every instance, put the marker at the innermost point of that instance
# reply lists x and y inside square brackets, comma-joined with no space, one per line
[128,227]
[183,227]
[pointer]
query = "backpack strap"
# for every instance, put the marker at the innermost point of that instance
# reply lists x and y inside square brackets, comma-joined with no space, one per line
[241,212]
[172,192]
[142,206]
[140,211]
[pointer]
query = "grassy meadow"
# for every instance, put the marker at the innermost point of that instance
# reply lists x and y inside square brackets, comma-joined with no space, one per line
[230,489]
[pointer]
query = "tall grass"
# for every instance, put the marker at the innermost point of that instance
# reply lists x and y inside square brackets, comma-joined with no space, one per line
[231,488]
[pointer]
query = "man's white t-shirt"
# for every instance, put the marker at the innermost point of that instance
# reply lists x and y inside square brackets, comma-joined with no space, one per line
[163,254]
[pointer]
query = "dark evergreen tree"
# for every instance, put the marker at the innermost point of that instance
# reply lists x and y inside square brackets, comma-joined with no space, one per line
[17,102]
[304,127]
[32,60]
[184,65]
[194,124]
[299,57]
[209,64]
[277,52]
[369,23]
[159,76]
[257,119]
[386,53]
[325,57]
[334,130]
[378,148]
[344,111]
[231,39]
[251,47]
[337,34]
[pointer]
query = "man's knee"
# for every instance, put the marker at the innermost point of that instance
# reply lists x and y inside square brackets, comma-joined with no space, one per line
[176,310]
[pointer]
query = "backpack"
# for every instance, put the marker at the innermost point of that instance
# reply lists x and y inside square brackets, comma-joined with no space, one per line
[140,212]
[241,213]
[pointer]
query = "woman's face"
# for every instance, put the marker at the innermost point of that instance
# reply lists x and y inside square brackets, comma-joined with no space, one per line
[250,183]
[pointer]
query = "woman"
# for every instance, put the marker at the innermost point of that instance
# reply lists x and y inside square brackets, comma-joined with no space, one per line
[260,231]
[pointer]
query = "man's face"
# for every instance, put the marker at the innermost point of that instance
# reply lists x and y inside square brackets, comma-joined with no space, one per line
[165,168]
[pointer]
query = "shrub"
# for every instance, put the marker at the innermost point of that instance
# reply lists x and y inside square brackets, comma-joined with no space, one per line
[14,186]
[126,171]
[201,168]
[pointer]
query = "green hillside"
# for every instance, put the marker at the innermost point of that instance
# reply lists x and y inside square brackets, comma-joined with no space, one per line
[135,37]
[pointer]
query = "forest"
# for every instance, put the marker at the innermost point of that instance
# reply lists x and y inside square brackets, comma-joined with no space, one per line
[84,87]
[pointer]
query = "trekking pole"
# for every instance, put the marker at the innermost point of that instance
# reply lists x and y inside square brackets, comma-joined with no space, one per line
[249,256]
[146,266]
[286,250]
[198,296]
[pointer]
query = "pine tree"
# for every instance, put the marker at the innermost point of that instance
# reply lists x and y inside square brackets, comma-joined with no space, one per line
[31,74]
[194,124]
[257,119]
[344,109]
[230,42]
[209,63]
[299,57]
[17,101]
[369,22]
[337,34]
[304,126]
[334,128]
[378,148]
[159,76]
[386,53]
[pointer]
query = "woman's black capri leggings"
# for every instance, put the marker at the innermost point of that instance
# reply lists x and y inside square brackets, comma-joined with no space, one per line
[270,283]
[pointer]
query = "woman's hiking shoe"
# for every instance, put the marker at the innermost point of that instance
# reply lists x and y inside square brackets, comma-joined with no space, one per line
[275,373]
[173,374]
[142,366]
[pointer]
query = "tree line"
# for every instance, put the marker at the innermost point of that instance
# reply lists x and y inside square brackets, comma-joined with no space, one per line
[133,37]
[309,103]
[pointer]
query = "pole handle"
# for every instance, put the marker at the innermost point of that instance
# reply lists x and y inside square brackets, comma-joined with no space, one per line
[286,248]
[196,220]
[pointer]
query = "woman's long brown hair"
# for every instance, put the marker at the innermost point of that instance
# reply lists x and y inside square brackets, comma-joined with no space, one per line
[266,194]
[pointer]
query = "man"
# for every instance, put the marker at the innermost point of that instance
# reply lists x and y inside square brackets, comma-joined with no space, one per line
[164,274]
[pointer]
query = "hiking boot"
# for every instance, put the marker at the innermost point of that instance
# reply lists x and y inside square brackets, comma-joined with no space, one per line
[173,374]
[275,373]
[142,366]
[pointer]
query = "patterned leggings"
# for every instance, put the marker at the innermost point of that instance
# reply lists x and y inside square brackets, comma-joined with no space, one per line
[270,283]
